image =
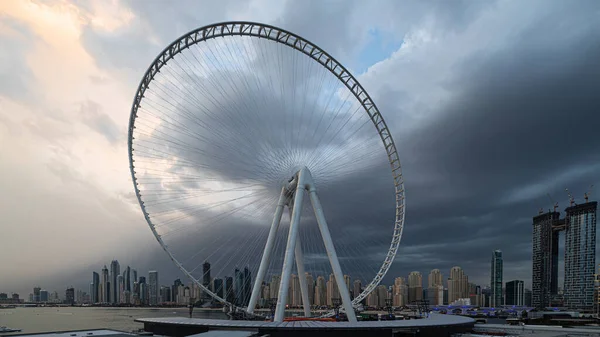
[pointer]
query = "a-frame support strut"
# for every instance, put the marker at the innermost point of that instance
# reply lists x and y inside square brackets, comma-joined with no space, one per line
[292,195]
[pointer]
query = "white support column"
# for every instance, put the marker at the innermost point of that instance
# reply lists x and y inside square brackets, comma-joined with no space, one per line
[264,263]
[333,259]
[288,260]
[302,278]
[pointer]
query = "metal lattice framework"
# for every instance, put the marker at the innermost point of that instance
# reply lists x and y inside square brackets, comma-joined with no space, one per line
[240,28]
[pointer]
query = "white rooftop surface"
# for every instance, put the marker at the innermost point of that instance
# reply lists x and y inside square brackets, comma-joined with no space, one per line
[224,333]
[79,333]
[538,330]
[433,320]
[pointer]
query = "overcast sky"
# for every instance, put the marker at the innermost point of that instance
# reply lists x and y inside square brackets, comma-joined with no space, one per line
[492,104]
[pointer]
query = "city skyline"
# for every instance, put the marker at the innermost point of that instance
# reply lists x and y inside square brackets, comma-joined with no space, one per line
[454,287]
[471,126]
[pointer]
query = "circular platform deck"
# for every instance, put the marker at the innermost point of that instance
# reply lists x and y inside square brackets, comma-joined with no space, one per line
[435,325]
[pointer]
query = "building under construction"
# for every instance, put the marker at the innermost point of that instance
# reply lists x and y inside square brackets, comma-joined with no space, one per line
[546,228]
[579,227]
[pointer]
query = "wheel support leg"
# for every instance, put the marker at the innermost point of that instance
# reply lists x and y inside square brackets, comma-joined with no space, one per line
[288,260]
[264,263]
[331,253]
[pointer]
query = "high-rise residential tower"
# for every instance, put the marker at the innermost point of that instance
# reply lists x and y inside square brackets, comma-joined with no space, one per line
[332,290]
[435,288]
[399,292]
[115,271]
[310,282]
[580,256]
[320,291]
[104,290]
[357,289]
[127,278]
[95,288]
[458,284]
[496,279]
[274,286]
[120,287]
[415,287]
[296,298]
[153,288]
[206,279]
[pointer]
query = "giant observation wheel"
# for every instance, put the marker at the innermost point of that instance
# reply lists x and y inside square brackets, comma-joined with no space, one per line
[236,120]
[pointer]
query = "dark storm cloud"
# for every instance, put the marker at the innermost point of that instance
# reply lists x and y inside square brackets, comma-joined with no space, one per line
[522,120]
[523,116]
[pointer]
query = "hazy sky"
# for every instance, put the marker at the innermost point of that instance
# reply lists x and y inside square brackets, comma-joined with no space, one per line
[493,105]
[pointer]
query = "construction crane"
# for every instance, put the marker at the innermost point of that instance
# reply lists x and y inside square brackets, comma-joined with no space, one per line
[571,199]
[555,203]
[587,194]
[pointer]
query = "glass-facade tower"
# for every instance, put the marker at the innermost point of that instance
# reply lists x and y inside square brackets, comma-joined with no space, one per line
[496,279]
[580,256]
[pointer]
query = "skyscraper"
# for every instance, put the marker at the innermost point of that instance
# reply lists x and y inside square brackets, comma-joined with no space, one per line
[135,278]
[104,298]
[120,287]
[332,290]
[70,296]
[357,289]
[143,293]
[153,288]
[580,256]
[310,281]
[458,284]
[238,286]
[36,294]
[399,292]
[321,291]
[496,279]
[206,279]
[95,288]
[229,292]
[544,280]
[115,270]
[515,293]
[382,295]
[295,291]
[435,278]
[274,286]
[435,287]
[218,287]
[175,289]
[415,286]
[165,294]
[247,285]
[43,296]
[127,278]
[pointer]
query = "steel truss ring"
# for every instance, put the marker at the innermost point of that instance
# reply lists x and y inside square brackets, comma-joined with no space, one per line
[253,29]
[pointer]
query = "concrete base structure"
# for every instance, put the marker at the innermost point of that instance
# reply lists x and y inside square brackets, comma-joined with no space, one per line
[435,325]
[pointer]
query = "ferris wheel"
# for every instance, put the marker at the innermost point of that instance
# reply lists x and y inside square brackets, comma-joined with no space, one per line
[265,170]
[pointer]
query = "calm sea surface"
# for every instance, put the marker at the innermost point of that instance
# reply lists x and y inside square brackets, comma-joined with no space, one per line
[31,320]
